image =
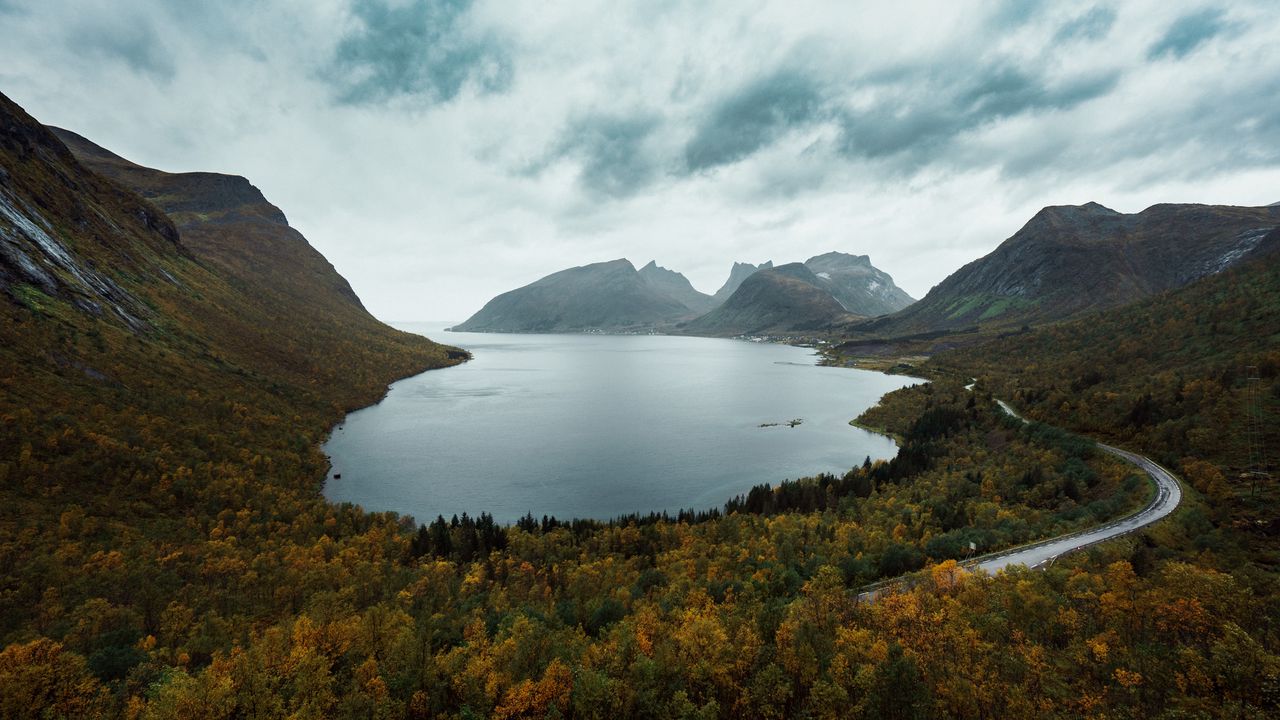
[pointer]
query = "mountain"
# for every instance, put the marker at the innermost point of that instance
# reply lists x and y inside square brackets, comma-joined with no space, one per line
[609,297]
[774,301]
[1178,384]
[226,220]
[738,273]
[71,240]
[1069,260]
[676,286]
[859,286]
[157,370]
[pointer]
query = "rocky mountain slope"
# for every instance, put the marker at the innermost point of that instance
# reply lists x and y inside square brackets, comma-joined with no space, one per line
[738,273]
[292,310]
[776,301]
[856,284]
[676,286]
[606,297]
[1070,260]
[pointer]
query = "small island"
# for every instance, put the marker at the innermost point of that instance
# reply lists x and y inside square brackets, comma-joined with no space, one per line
[790,423]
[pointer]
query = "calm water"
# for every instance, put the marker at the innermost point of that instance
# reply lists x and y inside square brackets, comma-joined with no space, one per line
[598,426]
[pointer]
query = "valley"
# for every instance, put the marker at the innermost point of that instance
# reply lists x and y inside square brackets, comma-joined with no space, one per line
[174,354]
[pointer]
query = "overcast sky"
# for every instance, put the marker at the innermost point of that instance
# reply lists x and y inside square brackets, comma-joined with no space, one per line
[439,152]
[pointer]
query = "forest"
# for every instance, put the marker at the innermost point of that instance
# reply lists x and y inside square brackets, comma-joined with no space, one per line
[214,588]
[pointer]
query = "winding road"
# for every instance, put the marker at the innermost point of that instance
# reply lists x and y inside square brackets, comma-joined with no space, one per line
[1168,496]
[1043,553]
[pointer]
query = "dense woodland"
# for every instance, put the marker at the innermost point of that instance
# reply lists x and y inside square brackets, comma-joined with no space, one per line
[165,551]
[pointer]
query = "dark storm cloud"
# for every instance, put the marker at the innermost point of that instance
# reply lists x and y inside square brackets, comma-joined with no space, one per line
[754,117]
[1092,25]
[925,111]
[422,49]
[1188,33]
[611,151]
[916,113]
[1007,91]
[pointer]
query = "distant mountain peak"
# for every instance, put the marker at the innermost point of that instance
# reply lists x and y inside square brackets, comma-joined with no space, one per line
[856,284]
[675,285]
[1072,259]
[796,270]
[1096,207]
[610,296]
[782,300]
[619,263]
[739,272]
[838,257]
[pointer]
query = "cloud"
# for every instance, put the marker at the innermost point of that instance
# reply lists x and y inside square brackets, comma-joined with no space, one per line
[611,150]
[1092,25]
[128,38]
[423,49]
[528,137]
[1188,33]
[754,116]
[1014,13]
[922,111]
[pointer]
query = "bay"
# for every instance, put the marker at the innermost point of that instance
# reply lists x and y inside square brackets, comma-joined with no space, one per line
[597,426]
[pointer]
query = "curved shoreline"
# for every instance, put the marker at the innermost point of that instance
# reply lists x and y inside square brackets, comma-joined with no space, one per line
[348,451]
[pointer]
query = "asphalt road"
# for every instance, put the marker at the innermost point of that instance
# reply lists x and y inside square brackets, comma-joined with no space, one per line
[1168,495]
[1043,553]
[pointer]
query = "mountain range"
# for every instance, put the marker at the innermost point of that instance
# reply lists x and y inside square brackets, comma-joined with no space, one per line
[1065,262]
[1074,259]
[823,292]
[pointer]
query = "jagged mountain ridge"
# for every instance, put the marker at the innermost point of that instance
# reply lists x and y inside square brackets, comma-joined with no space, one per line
[1068,260]
[677,286]
[602,297]
[737,274]
[784,300]
[858,285]
[227,220]
[615,297]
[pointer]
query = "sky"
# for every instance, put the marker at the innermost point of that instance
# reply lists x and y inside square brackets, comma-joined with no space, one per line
[440,152]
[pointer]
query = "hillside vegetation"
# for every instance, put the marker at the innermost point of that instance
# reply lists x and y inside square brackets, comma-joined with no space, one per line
[1192,377]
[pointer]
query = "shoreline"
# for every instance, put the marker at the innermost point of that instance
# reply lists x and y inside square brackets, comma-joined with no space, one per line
[819,360]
